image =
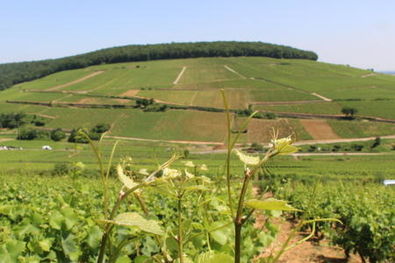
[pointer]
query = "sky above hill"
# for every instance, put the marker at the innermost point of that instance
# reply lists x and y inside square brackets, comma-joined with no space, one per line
[360,33]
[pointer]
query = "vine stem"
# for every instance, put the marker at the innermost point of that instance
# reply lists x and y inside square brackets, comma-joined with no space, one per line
[238,222]
[180,238]
[229,150]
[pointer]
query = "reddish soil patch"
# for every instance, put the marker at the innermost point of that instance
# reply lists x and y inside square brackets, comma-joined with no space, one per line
[307,252]
[130,93]
[319,129]
[76,81]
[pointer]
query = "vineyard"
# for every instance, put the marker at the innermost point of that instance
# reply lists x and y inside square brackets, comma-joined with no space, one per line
[183,210]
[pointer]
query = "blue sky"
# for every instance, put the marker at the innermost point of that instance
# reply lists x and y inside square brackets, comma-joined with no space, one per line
[360,33]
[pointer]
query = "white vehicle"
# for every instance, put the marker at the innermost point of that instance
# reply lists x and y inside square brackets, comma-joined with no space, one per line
[388,182]
[47,147]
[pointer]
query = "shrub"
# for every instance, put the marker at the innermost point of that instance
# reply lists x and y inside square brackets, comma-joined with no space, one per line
[57,135]
[376,142]
[27,134]
[61,169]
[101,128]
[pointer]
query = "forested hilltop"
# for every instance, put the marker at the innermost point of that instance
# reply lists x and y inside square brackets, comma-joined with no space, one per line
[13,73]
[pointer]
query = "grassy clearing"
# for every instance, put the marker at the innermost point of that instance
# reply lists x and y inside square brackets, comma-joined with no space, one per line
[315,108]
[352,129]
[383,109]
[56,79]
[202,70]
[172,125]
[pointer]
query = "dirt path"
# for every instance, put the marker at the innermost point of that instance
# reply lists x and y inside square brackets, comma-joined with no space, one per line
[180,75]
[369,75]
[76,81]
[43,115]
[321,97]
[234,71]
[269,103]
[319,129]
[6,139]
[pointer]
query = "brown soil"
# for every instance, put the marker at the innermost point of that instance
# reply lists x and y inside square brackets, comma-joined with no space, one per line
[76,81]
[307,252]
[130,93]
[87,101]
[5,139]
[319,129]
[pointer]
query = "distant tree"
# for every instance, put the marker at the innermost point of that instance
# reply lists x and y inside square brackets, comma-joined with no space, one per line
[143,103]
[349,112]
[27,134]
[101,128]
[77,137]
[57,135]
[376,142]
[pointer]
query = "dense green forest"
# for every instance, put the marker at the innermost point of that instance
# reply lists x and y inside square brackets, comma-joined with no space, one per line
[13,73]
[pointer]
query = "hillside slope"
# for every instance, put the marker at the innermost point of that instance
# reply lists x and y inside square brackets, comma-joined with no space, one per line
[190,88]
[13,73]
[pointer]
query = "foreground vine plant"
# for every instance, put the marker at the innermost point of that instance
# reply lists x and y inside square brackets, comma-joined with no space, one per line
[197,227]
[245,208]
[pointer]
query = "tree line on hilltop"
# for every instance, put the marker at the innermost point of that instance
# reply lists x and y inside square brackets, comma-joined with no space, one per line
[14,73]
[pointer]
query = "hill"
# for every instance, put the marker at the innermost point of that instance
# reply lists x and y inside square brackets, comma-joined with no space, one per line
[187,103]
[13,73]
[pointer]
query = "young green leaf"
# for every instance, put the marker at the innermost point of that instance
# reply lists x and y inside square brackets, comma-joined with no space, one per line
[247,159]
[132,219]
[269,204]
[127,181]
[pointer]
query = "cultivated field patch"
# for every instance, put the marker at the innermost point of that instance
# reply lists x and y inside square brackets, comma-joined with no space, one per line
[319,129]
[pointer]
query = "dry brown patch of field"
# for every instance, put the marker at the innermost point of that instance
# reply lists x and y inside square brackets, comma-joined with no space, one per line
[319,129]
[262,130]
[87,101]
[130,93]
[122,101]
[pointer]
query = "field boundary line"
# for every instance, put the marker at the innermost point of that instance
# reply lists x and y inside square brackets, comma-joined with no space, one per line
[338,154]
[321,97]
[235,72]
[76,81]
[168,141]
[268,103]
[327,141]
[180,75]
